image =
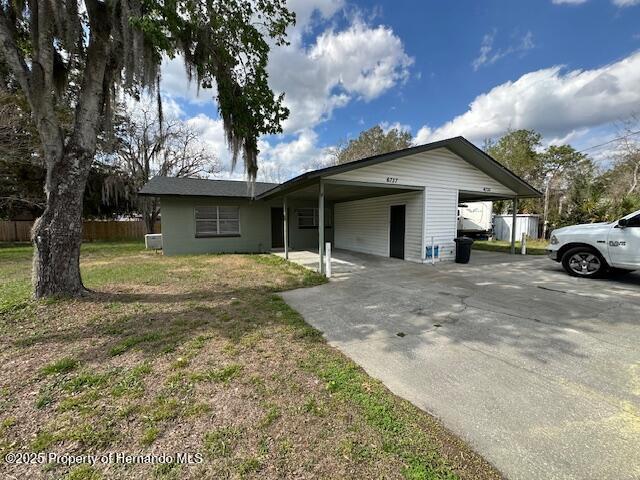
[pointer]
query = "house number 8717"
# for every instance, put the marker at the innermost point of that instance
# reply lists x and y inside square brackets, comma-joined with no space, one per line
[392,179]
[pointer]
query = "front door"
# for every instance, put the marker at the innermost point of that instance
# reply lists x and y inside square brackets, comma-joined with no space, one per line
[396,231]
[277,227]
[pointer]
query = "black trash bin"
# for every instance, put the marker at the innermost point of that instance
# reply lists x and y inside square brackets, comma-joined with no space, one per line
[463,249]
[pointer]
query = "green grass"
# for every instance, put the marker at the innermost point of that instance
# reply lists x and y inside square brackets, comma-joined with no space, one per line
[86,380]
[64,365]
[131,382]
[247,466]
[135,340]
[394,423]
[272,414]
[202,350]
[534,247]
[16,262]
[221,375]
[44,398]
[83,472]
[149,435]
[221,442]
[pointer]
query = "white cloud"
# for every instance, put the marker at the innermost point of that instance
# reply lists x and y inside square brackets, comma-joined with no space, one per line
[284,159]
[308,10]
[388,126]
[147,102]
[488,55]
[550,101]
[296,155]
[359,62]
[175,83]
[626,3]
[366,61]
[212,135]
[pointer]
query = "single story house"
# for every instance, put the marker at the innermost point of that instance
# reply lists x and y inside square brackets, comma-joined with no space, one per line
[401,204]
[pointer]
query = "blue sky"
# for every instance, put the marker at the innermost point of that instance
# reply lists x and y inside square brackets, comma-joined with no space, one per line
[568,68]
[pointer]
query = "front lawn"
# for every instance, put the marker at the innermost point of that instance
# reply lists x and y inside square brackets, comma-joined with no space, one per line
[198,354]
[534,247]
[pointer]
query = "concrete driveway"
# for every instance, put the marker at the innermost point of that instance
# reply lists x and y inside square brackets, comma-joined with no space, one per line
[538,371]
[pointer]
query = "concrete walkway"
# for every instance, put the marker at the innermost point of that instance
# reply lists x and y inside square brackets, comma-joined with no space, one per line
[538,371]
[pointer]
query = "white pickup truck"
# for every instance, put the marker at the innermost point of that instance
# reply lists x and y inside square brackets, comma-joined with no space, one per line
[592,250]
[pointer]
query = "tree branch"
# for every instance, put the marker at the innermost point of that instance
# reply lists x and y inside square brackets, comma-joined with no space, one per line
[13,56]
[44,50]
[91,95]
[21,200]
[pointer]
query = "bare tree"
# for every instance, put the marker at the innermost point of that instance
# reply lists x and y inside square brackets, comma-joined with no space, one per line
[21,162]
[147,147]
[272,173]
[623,178]
[630,162]
[321,162]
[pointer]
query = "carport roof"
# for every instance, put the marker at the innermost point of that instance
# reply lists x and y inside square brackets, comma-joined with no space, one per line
[458,145]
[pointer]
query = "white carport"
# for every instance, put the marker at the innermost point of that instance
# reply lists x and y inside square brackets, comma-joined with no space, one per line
[401,203]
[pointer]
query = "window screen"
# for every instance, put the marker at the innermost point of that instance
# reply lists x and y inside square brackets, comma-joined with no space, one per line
[216,221]
[308,218]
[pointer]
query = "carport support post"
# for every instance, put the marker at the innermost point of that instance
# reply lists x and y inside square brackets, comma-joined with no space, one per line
[286,228]
[321,268]
[514,217]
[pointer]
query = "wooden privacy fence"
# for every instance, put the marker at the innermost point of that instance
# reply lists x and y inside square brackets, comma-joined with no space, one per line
[20,231]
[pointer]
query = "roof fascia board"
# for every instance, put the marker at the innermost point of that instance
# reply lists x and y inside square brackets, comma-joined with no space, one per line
[350,183]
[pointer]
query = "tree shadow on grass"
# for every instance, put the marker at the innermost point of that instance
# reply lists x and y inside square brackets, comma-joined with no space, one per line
[180,318]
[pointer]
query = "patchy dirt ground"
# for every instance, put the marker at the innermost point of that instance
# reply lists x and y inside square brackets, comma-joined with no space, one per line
[197,355]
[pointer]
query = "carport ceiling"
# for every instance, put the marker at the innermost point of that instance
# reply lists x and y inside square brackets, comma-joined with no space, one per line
[337,193]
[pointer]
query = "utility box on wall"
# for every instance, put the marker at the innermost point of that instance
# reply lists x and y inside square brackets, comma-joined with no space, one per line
[153,241]
[433,251]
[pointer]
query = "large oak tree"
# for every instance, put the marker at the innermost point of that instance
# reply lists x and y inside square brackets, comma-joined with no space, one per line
[95,47]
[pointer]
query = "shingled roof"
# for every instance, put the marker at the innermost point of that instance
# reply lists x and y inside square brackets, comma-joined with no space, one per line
[202,187]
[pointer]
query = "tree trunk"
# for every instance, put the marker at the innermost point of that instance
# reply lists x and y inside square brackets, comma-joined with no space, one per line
[149,213]
[57,234]
[149,222]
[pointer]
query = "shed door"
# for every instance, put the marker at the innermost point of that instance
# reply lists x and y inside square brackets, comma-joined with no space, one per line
[396,231]
[277,227]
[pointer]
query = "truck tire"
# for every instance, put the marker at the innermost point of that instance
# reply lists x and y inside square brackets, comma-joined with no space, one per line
[585,262]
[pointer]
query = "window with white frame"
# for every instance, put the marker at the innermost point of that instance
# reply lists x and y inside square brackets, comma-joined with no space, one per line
[309,218]
[217,221]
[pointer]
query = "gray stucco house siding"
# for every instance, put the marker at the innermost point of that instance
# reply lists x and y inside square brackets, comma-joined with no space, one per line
[179,226]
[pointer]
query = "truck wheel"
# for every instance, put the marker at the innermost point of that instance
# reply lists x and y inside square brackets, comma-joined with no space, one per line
[584,262]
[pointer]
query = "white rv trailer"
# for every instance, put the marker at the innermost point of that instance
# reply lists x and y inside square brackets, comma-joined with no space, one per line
[475,219]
